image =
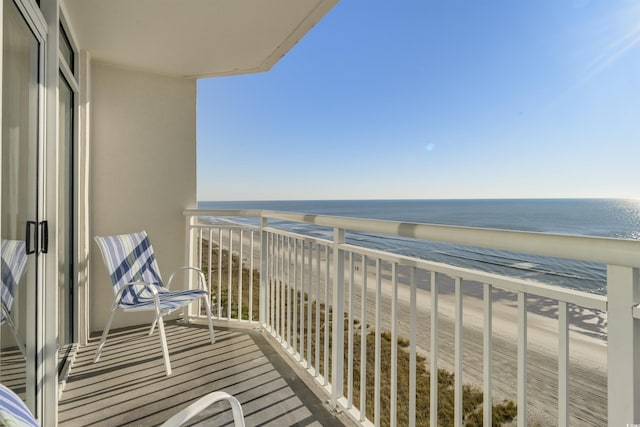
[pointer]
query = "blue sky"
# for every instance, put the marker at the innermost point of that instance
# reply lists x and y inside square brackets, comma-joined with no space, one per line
[435,99]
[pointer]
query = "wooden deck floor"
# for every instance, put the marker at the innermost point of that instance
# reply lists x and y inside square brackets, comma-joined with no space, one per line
[128,385]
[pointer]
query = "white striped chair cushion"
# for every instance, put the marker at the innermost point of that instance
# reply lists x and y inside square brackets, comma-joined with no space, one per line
[129,258]
[13,411]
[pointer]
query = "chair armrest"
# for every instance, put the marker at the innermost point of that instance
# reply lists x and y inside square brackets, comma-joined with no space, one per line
[199,405]
[150,288]
[202,281]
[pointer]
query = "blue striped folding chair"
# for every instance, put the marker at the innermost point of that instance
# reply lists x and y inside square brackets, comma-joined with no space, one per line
[138,286]
[13,263]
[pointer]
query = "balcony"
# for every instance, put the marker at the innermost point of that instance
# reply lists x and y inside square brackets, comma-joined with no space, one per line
[560,356]
[129,386]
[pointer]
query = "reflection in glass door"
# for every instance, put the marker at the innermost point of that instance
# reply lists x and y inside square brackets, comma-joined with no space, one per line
[66,235]
[20,180]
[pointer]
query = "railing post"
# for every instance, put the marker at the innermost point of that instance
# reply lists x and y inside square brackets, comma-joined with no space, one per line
[623,356]
[189,311]
[337,349]
[264,240]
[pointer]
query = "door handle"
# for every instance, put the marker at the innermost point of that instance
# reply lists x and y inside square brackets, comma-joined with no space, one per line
[44,237]
[28,237]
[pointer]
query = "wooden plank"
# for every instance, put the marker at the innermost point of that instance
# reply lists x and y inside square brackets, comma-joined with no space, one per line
[128,386]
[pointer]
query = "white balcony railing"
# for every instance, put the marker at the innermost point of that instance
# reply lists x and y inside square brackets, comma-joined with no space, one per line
[332,304]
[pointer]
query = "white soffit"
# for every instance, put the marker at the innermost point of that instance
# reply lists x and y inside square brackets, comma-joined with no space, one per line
[192,38]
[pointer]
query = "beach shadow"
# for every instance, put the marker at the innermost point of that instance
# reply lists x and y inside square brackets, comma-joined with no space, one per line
[587,321]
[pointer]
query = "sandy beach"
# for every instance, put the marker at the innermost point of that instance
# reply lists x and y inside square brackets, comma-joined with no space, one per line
[588,354]
[587,347]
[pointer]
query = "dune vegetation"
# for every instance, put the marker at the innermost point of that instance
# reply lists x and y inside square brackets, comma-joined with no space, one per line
[504,412]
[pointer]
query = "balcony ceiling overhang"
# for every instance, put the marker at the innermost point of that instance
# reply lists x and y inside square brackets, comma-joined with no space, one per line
[193,38]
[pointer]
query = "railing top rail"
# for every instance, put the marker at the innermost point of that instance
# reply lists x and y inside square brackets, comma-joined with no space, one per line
[224,226]
[301,237]
[222,212]
[595,249]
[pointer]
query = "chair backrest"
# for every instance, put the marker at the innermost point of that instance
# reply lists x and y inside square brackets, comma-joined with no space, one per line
[129,258]
[13,262]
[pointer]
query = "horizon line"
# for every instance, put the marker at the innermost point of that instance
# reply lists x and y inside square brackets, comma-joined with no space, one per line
[423,199]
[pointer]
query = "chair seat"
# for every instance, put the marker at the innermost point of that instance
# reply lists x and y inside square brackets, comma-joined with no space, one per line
[169,300]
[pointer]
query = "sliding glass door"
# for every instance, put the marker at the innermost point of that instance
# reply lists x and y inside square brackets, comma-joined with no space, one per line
[22,233]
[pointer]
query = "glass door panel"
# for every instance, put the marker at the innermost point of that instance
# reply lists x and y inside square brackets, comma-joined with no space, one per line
[19,228]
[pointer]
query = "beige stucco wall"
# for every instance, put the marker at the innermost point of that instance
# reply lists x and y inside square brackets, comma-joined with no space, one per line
[142,171]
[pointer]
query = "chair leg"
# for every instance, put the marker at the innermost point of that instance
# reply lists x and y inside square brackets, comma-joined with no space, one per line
[153,326]
[165,349]
[104,335]
[21,346]
[18,341]
[207,305]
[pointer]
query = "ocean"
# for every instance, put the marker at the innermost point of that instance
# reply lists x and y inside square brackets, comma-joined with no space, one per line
[615,218]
